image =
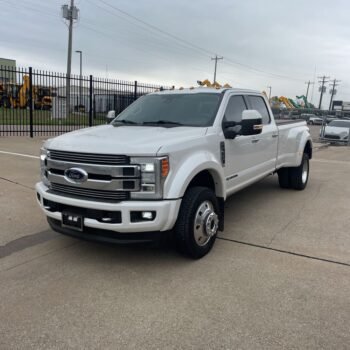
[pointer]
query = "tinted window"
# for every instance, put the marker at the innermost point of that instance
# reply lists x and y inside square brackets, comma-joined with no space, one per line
[340,123]
[258,103]
[234,109]
[196,109]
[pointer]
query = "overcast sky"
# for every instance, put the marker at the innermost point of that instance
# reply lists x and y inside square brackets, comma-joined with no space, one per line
[272,42]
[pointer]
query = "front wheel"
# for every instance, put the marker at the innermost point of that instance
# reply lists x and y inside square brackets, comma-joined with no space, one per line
[197,223]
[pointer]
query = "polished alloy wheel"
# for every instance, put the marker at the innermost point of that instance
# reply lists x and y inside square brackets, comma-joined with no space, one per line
[206,223]
[305,172]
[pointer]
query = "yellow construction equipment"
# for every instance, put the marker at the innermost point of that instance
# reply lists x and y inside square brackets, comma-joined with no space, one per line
[215,85]
[286,102]
[42,97]
[17,96]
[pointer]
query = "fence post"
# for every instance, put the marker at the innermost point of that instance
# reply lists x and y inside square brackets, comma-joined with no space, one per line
[135,91]
[90,101]
[31,131]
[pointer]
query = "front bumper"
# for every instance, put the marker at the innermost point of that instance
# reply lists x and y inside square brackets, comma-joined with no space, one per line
[166,214]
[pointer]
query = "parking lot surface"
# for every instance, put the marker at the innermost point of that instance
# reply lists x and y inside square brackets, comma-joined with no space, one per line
[278,276]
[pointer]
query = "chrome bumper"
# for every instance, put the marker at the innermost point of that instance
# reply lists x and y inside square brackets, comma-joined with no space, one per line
[166,212]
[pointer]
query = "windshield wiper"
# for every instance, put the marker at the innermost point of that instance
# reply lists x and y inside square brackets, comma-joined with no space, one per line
[124,121]
[163,122]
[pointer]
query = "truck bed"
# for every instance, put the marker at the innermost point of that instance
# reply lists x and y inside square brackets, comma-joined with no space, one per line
[288,132]
[288,121]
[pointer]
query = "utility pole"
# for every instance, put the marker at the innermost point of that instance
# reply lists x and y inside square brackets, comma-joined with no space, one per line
[308,86]
[270,88]
[333,91]
[216,58]
[80,77]
[70,13]
[322,88]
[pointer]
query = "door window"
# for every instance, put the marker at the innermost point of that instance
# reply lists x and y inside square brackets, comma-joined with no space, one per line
[258,103]
[234,109]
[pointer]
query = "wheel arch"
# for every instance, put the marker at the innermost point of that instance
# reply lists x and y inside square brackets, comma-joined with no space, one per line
[211,178]
[308,149]
[201,169]
[207,178]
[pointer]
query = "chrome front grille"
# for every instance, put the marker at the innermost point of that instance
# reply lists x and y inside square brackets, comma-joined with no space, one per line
[333,137]
[89,158]
[107,177]
[84,193]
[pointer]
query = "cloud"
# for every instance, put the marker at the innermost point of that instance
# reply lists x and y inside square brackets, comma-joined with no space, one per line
[283,41]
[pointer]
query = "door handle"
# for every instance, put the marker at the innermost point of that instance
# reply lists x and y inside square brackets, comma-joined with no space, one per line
[275,135]
[255,141]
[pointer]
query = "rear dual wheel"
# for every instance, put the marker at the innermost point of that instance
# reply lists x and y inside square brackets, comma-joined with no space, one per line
[295,177]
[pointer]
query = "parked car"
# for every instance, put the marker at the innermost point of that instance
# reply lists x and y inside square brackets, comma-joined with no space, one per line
[315,121]
[337,130]
[168,163]
[307,116]
[330,118]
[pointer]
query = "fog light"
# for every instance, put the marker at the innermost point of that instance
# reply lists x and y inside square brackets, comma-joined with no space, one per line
[147,215]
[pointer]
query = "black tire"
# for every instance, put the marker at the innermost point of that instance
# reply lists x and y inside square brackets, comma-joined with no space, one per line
[284,178]
[299,176]
[186,235]
[6,102]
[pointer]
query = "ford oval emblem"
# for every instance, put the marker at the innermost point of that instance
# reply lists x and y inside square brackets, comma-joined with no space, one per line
[76,175]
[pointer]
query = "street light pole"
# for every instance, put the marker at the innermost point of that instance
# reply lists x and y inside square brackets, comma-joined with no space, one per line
[81,76]
[270,88]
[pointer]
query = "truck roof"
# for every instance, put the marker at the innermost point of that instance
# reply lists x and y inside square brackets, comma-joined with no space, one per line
[197,90]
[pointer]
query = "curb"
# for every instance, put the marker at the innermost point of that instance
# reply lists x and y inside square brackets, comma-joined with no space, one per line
[321,146]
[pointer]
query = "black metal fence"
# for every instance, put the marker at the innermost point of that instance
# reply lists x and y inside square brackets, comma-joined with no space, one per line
[35,102]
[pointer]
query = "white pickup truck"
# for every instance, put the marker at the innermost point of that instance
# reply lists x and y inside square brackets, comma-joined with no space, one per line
[168,163]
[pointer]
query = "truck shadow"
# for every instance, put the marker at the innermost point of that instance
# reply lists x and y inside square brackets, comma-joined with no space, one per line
[240,204]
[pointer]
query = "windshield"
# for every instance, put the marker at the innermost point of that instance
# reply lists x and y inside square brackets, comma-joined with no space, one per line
[340,123]
[197,109]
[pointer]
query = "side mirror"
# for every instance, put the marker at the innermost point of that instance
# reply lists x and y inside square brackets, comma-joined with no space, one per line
[110,116]
[251,123]
[231,129]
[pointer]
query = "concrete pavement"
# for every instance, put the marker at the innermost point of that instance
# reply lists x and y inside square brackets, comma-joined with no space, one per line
[250,292]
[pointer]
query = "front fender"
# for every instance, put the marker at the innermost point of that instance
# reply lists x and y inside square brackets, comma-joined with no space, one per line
[180,177]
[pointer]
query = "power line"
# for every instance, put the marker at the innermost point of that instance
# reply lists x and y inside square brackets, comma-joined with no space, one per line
[157,29]
[147,29]
[194,46]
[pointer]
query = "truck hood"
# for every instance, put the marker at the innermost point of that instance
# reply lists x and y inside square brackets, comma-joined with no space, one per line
[129,140]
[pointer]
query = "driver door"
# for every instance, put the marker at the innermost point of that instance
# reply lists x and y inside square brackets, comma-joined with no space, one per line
[241,152]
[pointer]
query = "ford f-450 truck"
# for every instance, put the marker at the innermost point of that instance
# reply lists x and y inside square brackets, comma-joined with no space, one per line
[167,163]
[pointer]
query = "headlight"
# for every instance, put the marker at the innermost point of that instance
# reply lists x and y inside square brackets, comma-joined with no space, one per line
[44,153]
[154,171]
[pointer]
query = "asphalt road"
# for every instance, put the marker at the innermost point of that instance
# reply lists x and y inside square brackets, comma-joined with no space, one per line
[278,277]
